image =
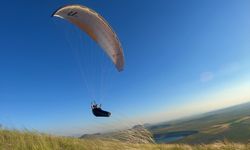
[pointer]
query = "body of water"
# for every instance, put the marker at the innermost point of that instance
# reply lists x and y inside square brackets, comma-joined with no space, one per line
[172,136]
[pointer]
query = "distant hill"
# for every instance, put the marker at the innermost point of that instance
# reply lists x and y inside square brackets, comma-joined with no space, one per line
[138,134]
[232,123]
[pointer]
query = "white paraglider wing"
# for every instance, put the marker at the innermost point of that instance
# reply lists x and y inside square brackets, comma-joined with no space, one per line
[97,28]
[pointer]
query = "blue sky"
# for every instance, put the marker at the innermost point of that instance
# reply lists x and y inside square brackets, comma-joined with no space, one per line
[182,57]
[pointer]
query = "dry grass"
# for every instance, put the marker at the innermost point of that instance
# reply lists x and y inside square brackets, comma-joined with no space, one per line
[17,140]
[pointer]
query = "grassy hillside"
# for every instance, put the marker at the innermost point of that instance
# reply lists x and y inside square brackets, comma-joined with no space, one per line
[138,134]
[232,123]
[16,140]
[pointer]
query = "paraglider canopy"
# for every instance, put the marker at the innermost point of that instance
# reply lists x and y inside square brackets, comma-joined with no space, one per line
[96,27]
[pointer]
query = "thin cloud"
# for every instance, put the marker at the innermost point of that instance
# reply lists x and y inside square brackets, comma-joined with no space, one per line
[225,70]
[206,76]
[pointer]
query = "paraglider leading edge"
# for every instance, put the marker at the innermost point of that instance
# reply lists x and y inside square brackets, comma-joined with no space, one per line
[96,27]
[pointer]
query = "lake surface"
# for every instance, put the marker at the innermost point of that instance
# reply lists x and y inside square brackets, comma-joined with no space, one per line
[172,136]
